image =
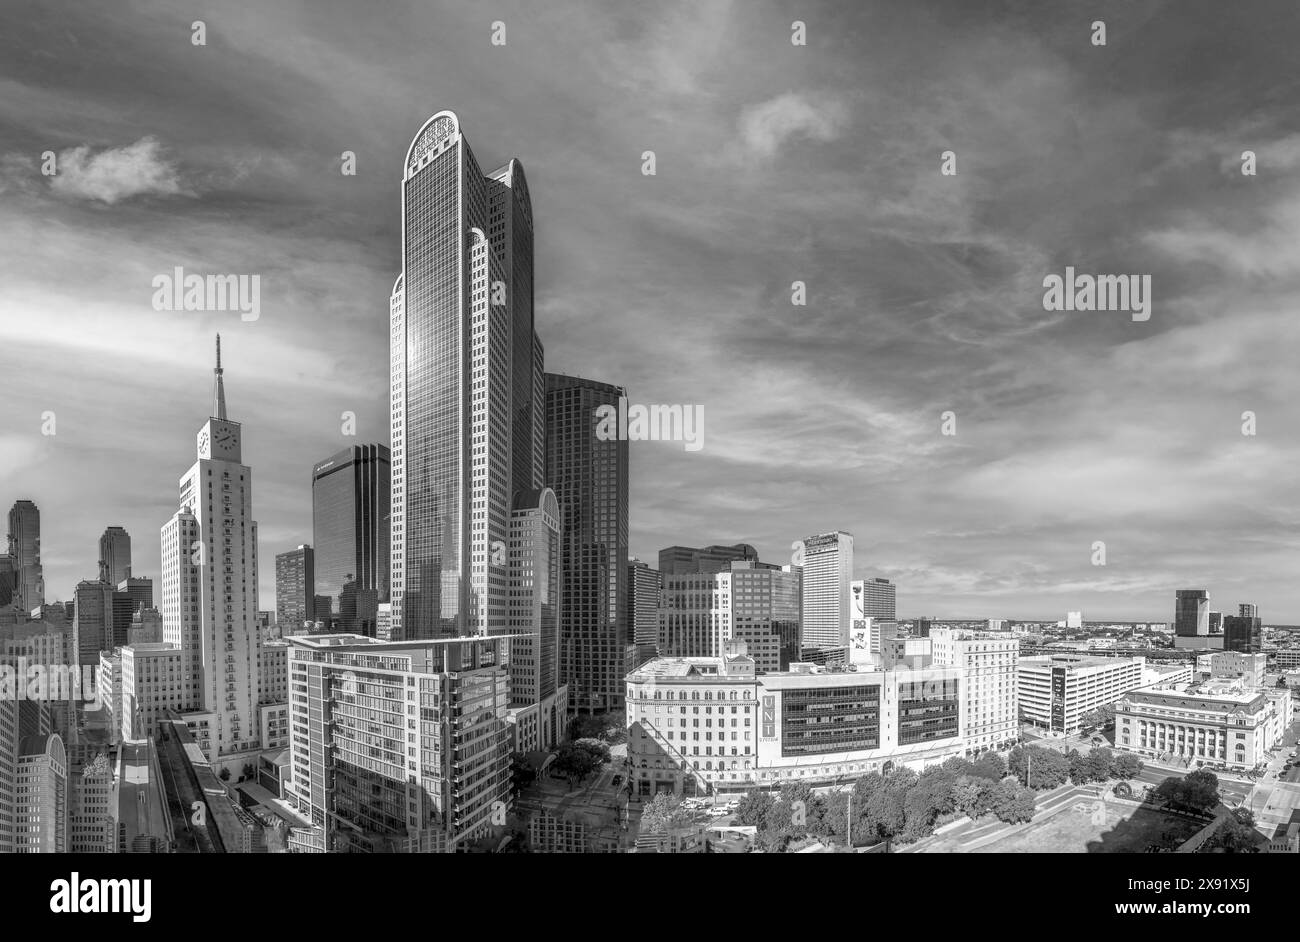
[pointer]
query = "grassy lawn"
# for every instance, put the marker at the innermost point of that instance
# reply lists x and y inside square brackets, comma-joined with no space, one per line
[1126,831]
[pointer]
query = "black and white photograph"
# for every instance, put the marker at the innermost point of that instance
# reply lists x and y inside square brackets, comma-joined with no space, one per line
[673,427]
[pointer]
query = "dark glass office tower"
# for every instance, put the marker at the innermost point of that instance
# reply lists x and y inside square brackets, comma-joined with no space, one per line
[589,478]
[1191,613]
[350,496]
[1244,633]
[114,556]
[466,390]
[25,548]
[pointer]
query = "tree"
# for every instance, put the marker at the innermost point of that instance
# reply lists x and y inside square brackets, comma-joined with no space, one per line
[1099,764]
[1126,766]
[958,766]
[607,727]
[1047,767]
[1202,790]
[929,797]
[663,813]
[1197,792]
[1013,802]
[754,809]
[878,806]
[794,815]
[990,766]
[1237,834]
[577,760]
[973,796]
[833,817]
[1080,769]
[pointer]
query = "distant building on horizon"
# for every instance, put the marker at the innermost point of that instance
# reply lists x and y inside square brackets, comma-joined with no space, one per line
[1191,613]
[682,560]
[643,587]
[25,549]
[1243,634]
[114,556]
[295,603]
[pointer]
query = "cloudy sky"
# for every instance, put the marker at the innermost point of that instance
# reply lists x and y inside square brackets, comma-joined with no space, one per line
[775,163]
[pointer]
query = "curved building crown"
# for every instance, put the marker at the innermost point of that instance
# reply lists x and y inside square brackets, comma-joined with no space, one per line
[443,126]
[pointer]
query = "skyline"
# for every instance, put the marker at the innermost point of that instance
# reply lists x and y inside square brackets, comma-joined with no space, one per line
[1072,427]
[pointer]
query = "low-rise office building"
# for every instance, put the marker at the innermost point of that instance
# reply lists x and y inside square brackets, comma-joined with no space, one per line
[700,725]
[1216,724]
[152,685]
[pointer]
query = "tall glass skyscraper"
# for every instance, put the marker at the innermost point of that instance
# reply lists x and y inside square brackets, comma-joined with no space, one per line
[467,406]
[350,495]
[589,477]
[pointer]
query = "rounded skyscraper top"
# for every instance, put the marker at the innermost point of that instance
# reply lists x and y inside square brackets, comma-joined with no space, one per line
[439,129]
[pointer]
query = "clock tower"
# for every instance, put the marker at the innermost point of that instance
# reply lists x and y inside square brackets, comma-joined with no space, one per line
[210,588]
[219,437]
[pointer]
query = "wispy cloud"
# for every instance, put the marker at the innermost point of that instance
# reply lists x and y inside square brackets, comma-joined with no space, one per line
[114,174]
[765,128]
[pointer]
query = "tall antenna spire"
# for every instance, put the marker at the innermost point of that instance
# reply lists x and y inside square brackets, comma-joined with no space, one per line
[218,389]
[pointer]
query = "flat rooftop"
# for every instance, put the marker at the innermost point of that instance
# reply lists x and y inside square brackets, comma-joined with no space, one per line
[1074,660]
[1192,698]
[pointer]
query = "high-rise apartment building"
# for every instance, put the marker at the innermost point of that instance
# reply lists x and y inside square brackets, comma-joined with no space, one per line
[1247,609]
[643,586]
[295,603]
[1191,613]
[466,385]
[827,560]
[209,576]
[25,549]
[399,745]
[351,493]
[114,556]
[590,479]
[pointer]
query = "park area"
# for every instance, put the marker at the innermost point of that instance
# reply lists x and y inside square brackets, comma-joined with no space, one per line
[1079,828]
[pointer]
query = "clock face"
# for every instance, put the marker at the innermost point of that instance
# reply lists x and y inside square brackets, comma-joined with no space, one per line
[203,444]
